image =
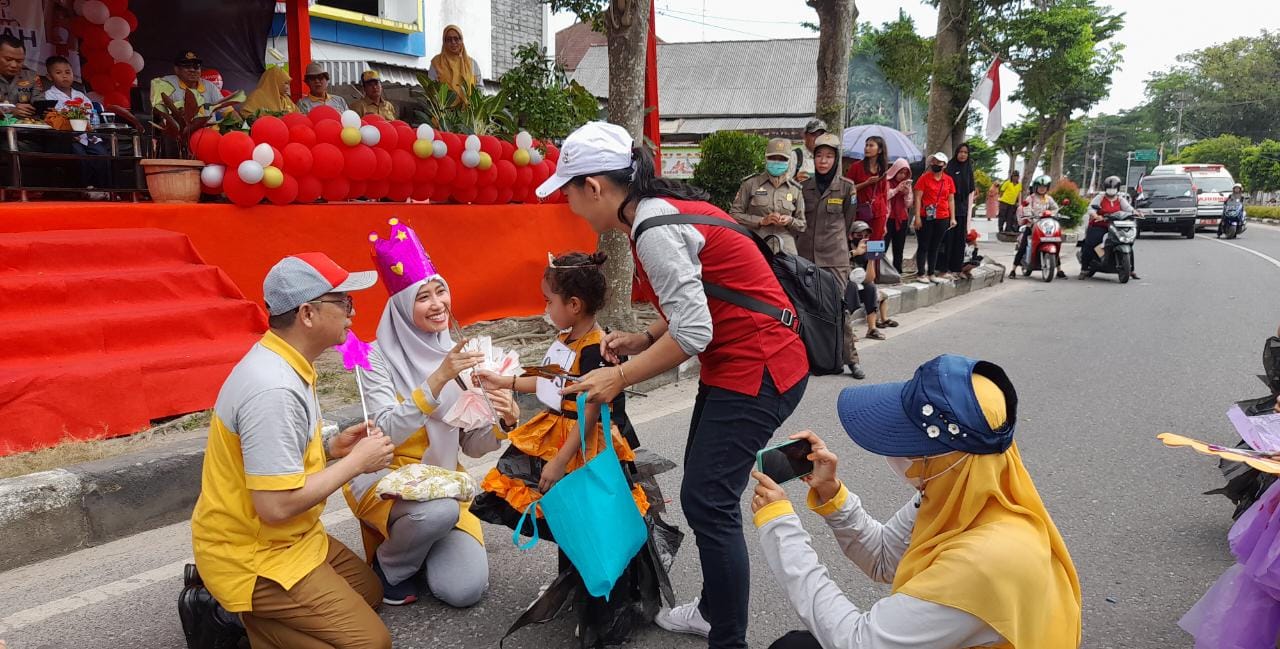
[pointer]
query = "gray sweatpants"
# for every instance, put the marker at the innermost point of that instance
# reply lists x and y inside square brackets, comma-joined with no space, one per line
[423,538]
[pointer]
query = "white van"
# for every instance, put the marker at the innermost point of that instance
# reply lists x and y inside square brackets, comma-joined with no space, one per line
[1213,184]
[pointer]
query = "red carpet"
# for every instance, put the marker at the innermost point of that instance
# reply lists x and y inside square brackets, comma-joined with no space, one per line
[102,331]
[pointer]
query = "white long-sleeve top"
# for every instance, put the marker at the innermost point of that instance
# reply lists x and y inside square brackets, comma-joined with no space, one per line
[898,621]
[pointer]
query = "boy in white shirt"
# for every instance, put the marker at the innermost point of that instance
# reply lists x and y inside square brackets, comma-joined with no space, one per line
[92,173]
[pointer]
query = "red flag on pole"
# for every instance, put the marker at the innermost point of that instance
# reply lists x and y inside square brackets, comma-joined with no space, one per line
[988,95]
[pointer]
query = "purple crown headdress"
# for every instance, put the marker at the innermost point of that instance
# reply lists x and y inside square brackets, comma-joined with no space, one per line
[400,259]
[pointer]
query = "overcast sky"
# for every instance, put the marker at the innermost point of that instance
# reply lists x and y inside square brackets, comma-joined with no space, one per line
[1155,32]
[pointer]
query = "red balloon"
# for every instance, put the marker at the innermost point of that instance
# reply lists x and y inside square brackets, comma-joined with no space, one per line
[508,150]
[376,189]
[285,193]
[325,114]
[405,137]
[103,83]
[453,142]
[403,166]
[425,171]
[117,7]
[382,170]
[400,192]
[235,147]
[115,98]
[524,177]
[541,172]
[389,136]
[327,162]
[466,179]
[357,189]
[423,191]
[372,118]
[504,195]
[487,195]
[552,154]
[204,144]
[555,197]
[329,131]
[309,189]
[441,194]
[129,18]
[293,119]
[302,134]
[241,193]
[446,170]
[464,195]
[491,145]
[271,130]
[487,177]
[506,173]
[336,189]
[297,160]
[80,26]
[360,162]
[95,39]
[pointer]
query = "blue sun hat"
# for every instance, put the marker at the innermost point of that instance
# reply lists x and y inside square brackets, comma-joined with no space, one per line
[953,403]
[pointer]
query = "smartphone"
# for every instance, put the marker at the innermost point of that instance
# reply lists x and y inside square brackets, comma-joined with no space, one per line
[875,246]
[786,462]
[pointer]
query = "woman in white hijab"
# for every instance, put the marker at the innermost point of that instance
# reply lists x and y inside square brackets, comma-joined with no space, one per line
[409,388]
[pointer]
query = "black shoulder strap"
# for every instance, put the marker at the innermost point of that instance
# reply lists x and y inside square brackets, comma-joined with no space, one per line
[786,316]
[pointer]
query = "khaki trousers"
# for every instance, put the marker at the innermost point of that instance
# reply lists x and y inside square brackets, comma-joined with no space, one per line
[330,608]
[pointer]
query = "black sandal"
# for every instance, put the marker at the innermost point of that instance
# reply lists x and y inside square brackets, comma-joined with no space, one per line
[875,334]
[889,322]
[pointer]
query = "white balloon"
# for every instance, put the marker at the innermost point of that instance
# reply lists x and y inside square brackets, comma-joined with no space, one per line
[473,143]
[439,149]
[263,155]
[370,135]
[120,50]
[524,140]
[137,61]
[470,159]
[212,175]
[116,27]
[425,132]
[250,172]
[96,12]
[535,156]
[78,7]
[350,119]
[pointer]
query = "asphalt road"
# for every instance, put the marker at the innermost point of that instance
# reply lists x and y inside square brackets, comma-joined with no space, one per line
[1100,368]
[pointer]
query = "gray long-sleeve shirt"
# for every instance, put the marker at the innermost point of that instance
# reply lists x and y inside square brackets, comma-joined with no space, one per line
[669,255]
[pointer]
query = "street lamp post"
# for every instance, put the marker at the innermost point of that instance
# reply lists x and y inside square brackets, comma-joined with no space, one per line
[1128,162]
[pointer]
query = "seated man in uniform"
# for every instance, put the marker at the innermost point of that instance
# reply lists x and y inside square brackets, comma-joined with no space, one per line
[317,80]
[18,85]
[186,76]
[373,103]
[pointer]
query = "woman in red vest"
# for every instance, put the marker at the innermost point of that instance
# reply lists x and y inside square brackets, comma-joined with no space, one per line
[754,369]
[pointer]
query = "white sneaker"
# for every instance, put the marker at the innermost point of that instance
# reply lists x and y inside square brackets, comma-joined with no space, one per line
[684,619]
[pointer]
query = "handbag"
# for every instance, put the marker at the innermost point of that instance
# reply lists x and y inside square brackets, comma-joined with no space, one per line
[591,513]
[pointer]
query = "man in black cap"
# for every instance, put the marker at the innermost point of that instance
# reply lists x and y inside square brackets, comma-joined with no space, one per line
[186,76]
[804,155]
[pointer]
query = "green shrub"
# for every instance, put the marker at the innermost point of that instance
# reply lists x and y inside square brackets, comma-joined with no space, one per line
[727,158]
[1067,194]
[1263,212]
[981,183]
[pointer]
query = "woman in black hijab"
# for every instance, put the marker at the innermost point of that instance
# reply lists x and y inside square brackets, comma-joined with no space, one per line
[960,168]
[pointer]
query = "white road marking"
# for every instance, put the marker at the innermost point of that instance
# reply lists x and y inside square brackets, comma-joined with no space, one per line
[1268,258]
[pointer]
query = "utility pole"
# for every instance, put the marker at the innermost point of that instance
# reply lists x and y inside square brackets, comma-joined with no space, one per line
[1177,138]
[1103,158]
[1128,162]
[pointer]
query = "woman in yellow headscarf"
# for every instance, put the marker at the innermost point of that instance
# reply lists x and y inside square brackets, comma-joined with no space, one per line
[974,558]
[452,66]
[271,95]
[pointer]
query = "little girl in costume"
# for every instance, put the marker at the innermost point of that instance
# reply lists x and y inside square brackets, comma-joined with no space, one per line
[574,288]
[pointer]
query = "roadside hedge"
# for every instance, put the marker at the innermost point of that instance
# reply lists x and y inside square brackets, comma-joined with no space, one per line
[1263,212]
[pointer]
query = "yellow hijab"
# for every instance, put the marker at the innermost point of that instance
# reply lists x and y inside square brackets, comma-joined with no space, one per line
[983,543]
[454,70]
[268,96]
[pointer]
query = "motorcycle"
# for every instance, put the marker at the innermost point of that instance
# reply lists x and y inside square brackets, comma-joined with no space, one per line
[1117,255]
[1039,242]
[1232,224]
[1245,484]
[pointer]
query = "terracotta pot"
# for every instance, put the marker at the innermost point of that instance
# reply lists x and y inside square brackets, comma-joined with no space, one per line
[173,181]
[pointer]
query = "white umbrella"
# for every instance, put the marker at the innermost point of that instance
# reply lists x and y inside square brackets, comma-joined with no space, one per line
[898,145]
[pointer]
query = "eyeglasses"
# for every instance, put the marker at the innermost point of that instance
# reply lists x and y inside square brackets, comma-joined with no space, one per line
[346,303]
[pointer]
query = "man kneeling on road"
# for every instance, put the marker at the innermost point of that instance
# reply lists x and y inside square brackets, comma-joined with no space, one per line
[259,545]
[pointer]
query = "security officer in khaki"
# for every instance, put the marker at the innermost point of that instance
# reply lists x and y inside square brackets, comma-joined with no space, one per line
[18,85]
[771,203]
[831,207]
[373,102]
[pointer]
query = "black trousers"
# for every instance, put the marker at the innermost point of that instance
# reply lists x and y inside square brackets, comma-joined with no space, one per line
[930,237]
[796,640]
[953,246]
[1008,217]
[896,235]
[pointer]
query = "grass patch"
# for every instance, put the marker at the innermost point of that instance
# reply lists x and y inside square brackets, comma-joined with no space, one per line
[78,450]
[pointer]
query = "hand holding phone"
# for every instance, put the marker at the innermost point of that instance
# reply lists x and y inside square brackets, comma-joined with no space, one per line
[786,462]
[875,246]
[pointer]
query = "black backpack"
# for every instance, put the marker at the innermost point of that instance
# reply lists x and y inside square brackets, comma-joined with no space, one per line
[813,291]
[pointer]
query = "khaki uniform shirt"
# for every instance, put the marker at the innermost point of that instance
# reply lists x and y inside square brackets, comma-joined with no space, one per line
[206,93]
[829,220]
[24,88]
[363,107]
[758,197]
[334,101]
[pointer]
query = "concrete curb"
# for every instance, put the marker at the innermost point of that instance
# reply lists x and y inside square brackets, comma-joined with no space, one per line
[52,513]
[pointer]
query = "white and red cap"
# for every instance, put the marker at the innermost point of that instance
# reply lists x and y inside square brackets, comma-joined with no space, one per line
[301,278]
[595,148]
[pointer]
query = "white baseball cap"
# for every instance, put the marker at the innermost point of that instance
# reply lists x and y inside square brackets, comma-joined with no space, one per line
[595,148]
[940,156]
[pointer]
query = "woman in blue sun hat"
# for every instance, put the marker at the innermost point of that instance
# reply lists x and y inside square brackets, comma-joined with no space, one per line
[973,557]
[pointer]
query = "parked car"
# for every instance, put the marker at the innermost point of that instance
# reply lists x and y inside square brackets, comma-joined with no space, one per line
[1213,185]
[1167,203]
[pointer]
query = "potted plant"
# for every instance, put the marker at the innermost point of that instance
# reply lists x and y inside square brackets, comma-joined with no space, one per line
[177,180]
[77,112]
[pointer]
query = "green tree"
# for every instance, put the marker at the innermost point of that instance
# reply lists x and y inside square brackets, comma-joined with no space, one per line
[1111,138]
[727,158]
[1260,167]
[985,156]
[903,56]
[1016,141]
[1224,149]
[541,97]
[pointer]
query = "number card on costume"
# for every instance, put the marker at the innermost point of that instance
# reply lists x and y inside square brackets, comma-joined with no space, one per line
[549,389]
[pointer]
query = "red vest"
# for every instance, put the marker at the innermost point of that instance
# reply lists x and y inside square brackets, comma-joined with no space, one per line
[1106,207]
[743,343]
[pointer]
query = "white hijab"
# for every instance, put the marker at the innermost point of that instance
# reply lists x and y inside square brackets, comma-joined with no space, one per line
[412,355]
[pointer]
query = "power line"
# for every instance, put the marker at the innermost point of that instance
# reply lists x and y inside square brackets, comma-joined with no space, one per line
[704,24]
[736,20]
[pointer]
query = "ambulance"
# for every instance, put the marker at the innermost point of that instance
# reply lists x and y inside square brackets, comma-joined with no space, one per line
[1213,184]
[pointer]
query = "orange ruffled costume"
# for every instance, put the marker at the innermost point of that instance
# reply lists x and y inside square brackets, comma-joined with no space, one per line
[544,435]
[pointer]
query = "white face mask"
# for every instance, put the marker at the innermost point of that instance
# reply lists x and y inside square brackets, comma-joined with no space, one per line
[901,465]
[1112,192]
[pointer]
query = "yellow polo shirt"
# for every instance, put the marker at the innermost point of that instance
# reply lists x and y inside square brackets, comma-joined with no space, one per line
[265,436]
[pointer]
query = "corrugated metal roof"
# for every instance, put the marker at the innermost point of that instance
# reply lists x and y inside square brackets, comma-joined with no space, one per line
[724,78]
[348,72]
[708,125]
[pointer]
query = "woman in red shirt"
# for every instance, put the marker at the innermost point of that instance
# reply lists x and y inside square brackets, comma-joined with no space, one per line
[869,178]
[935,209]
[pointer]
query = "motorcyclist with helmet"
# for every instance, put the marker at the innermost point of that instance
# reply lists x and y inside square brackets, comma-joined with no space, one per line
[1037,204]
[1109,202]
[1234,204]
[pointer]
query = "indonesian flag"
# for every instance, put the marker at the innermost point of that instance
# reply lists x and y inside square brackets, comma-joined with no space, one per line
[988,94]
